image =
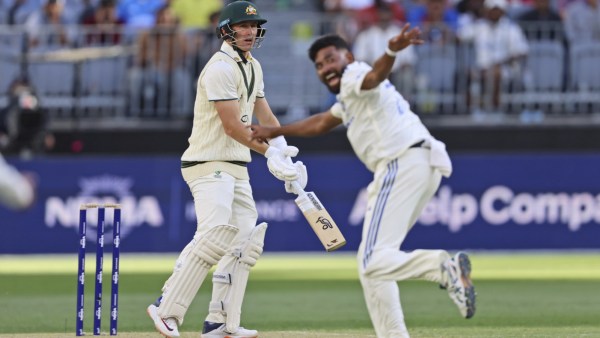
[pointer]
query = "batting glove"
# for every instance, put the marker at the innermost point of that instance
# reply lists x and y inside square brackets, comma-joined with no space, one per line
[302,179]
[279,165]
[278,142]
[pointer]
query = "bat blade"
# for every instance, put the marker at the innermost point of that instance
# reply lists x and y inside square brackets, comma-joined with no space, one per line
[321,222]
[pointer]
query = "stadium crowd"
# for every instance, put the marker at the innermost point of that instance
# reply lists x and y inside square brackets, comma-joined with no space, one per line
[482,57]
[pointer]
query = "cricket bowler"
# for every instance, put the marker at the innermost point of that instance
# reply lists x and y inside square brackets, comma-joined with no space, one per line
[407,163]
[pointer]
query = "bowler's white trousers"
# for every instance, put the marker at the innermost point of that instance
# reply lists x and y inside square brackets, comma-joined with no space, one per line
[220,198]
[400,190]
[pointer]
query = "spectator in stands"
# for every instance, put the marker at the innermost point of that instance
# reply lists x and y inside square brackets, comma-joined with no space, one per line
[438,23]
[73,9]
[205,43]
[103,25]
[561,6]
[371,43]
[159,79]
[87,11]
[469,12]
[16,12]
[5,6]
[582,21]
[370,15]
[434,13]
[212,41]
[23,122]
[515,8]
[348,17]
[196,14]
[48,28]
[341,20]
[500,50]
[542,22]
[139,14]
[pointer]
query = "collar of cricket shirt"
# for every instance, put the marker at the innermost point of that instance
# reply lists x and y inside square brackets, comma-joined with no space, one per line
[233,53]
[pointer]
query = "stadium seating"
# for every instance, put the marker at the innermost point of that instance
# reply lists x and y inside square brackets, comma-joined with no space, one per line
[553,76]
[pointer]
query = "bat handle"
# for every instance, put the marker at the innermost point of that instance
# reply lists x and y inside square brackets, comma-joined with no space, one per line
[295,183]
[298,188]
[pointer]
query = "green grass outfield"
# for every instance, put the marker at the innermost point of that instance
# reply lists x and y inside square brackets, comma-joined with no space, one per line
[317,295]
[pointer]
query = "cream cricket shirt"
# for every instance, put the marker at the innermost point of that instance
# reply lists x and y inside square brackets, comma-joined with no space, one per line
[380,125]
[225,77]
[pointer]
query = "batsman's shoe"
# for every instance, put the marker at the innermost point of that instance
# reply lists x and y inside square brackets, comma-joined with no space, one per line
[217,330]
[167,327]
[460,288]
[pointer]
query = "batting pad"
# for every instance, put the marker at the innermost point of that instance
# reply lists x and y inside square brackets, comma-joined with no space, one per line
[250,254]
[230,286]
[184,285]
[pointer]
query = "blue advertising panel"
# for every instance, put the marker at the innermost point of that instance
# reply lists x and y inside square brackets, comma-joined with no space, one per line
[511,201]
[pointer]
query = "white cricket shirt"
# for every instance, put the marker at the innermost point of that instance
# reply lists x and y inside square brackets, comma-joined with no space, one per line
[496,43]
[380,125]
[225,77]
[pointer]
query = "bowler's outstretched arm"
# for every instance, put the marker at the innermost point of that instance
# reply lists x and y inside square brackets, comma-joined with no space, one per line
[383,66]
[317,124]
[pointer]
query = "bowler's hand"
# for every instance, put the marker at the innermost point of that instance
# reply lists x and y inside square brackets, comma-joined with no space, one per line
[405,38]
[262,133]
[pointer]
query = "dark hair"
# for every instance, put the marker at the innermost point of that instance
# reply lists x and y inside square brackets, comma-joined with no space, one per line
[108,3]
[324,42]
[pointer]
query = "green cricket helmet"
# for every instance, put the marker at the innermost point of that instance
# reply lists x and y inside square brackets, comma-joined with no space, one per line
[236,12]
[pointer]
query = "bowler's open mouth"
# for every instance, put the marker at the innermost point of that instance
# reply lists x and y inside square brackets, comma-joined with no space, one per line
[332,78]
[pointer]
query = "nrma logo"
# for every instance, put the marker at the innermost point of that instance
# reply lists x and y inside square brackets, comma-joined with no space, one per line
[135,210]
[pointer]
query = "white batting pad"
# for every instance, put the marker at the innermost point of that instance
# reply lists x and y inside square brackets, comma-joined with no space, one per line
[250,254]
[229,281]
[184,284]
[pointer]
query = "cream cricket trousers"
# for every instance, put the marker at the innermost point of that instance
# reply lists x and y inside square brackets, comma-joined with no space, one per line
[220,198]
[399,192]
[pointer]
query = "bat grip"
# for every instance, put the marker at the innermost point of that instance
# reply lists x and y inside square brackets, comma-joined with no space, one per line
[295,183]
[298,188]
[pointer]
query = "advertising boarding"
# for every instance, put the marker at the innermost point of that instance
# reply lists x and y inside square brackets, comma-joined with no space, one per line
[491,202]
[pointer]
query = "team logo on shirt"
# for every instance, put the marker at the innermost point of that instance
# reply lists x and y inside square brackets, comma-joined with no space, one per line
[250,10]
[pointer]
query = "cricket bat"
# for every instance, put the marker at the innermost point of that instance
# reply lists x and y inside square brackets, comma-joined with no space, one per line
[319,219]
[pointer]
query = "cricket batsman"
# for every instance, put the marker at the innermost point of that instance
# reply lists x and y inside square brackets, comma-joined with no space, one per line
[230,93]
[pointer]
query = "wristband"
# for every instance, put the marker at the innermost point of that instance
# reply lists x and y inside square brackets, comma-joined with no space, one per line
[390,52]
